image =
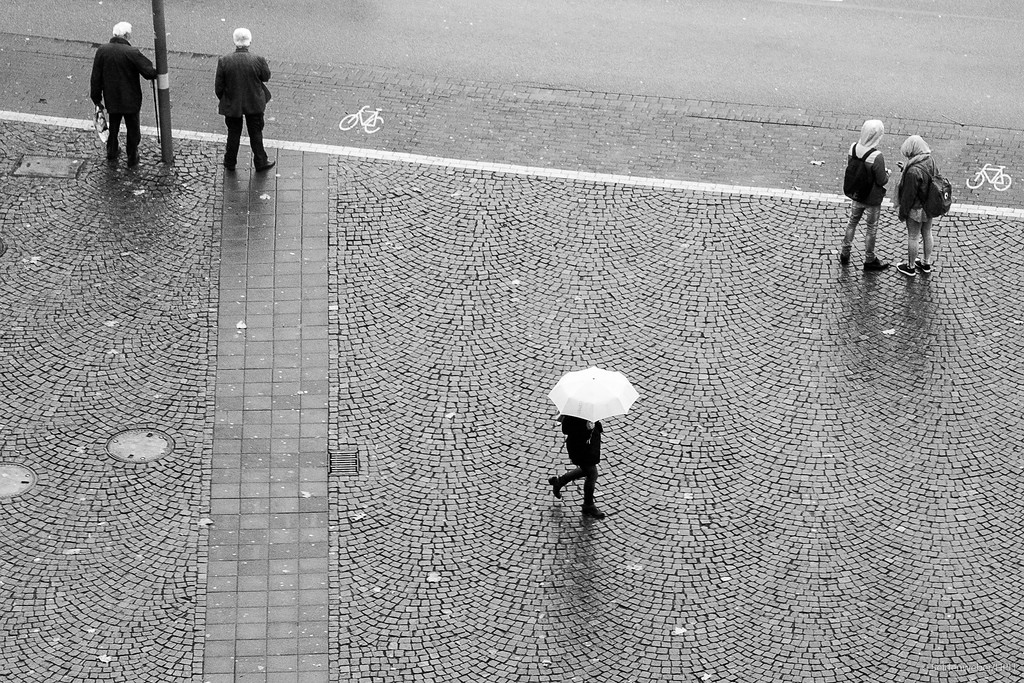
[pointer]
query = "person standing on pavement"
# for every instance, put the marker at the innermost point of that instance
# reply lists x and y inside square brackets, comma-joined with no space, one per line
[583,442]
[911,192]
[240,87]
[869,205]
[115,85]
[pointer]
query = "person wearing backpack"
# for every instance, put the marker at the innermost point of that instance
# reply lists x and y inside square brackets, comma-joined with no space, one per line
[911,198]
[866,176]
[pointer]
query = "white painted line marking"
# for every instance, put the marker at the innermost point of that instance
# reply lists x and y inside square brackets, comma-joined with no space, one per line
[512,169]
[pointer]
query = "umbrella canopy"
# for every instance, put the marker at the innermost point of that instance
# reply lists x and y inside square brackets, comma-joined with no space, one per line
[593,394]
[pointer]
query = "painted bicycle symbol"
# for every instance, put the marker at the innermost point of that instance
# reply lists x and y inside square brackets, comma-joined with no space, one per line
[369,119]
[994,174]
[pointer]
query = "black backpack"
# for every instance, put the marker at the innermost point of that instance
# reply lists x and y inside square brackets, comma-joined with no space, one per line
[859,179]
[939,197]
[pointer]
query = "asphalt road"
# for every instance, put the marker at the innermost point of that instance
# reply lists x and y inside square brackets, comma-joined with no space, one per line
[925,59]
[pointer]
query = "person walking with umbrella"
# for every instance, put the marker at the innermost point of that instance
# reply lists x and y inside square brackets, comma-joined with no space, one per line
[584,398]
[583,443]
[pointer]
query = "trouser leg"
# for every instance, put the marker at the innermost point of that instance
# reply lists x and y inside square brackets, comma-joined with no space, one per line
[589,485]
[588,473]
[234,124]
[871,214]
[254,124]
[571,475]
[856,211]
[113,130]
[133,136]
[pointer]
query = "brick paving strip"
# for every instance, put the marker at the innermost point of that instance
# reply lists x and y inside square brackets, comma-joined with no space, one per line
[268,572]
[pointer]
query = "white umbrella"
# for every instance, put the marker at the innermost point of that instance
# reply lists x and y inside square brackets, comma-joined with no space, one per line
[593,394]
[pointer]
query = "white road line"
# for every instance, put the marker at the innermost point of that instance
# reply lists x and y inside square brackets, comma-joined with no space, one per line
[512,169]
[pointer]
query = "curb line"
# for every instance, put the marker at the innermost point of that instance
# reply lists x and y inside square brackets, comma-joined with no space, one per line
[512,169]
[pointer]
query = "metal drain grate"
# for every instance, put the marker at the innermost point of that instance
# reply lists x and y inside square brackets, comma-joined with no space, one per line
[344,461]
[48,167]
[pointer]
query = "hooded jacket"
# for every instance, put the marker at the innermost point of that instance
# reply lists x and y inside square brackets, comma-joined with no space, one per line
[912,189]
[115,76]
[870,136]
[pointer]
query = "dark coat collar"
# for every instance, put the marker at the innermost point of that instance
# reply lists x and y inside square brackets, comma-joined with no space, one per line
[119,39]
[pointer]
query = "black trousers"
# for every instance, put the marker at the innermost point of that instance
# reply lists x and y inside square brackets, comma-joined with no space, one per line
[254,124]
[132,132]
[589,474]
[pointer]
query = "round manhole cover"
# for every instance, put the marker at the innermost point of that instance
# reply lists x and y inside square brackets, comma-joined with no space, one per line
[139,445]
[15,480]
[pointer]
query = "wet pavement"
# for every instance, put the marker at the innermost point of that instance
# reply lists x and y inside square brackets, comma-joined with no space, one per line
[531,124]
[350,358]
[107,327]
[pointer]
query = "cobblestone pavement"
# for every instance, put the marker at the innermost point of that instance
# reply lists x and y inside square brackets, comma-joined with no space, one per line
[106,308]
[820,480]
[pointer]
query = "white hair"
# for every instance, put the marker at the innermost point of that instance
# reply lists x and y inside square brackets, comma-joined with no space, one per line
[242,37]
[122,28]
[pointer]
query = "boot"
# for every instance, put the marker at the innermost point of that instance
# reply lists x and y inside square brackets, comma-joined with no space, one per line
[556,486]
[589,509]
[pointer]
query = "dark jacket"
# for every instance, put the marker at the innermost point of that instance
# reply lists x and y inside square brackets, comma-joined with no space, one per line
[876,162]
[115,76]
[912,189]
[583,445]
[239,83]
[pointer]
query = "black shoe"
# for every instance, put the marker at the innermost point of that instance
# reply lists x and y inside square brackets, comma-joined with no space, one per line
[592,511]
[844,257]
[133,160]
[112,156]
[907,269]
[270,165]
[556,488]
[875,264]
[924,268]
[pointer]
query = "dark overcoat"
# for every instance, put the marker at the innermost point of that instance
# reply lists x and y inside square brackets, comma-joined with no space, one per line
[582,444]
[240,83]
[115,76]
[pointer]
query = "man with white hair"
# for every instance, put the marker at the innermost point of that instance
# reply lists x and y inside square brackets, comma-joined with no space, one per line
[115,83]
[240,87]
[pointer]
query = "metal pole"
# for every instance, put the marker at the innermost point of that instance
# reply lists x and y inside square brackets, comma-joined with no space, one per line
[156,108]
[163,83]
